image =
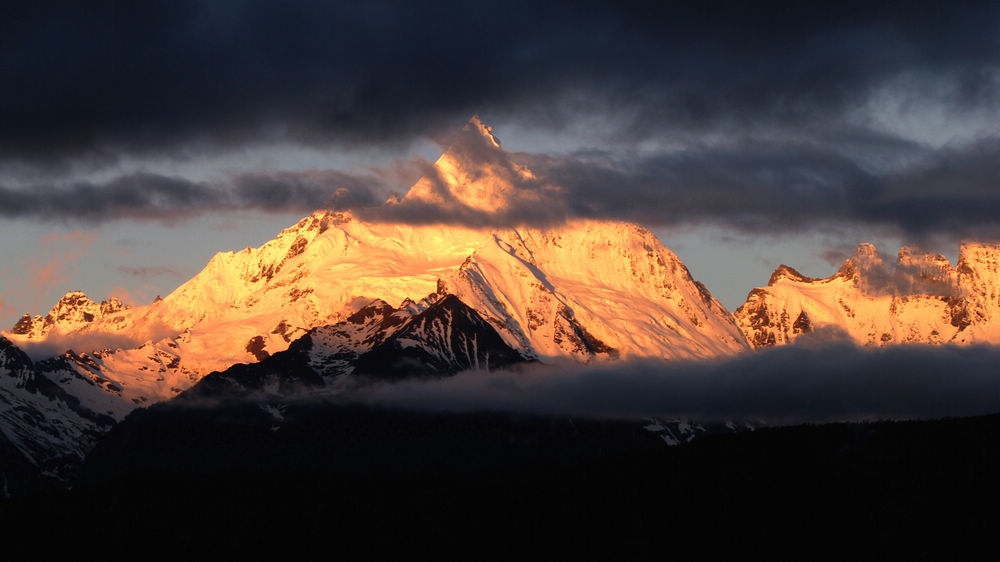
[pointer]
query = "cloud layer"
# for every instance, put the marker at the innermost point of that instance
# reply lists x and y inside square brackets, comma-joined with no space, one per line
[775,114]
[813,383]
[146,196]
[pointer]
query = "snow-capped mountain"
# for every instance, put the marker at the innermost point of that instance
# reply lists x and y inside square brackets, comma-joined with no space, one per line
[550,293]
[920,298]
[439,297]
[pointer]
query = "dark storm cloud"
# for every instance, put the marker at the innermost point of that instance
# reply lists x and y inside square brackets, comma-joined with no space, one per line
[138,195]
[762,186]
[305,191]
[953,190]
[88,87]
[771,186]
[153,75]
[168,199]
[154,272]
[748,184]
[812,383]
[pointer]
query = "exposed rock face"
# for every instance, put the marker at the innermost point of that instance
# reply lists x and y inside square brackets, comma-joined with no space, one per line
[73,312]
[438,336]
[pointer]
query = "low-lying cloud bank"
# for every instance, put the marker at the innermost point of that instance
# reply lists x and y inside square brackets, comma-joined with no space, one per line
[789,385]
[55,345]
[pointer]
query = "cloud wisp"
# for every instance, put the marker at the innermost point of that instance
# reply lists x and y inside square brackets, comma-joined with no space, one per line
[156,197]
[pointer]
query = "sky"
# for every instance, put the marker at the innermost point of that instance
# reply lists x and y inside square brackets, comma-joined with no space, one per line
[140,138]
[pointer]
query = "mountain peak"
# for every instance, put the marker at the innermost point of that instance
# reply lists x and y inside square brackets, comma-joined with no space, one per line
[475,124]
[866,259]
[978,271]
[925,264]
[971,252]
[787,272]
[867,251]
[74,299]
[475,173]
[73,311]
[910,254]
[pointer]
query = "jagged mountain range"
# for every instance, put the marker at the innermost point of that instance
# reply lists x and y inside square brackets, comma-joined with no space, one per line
[921,298]
[315,308]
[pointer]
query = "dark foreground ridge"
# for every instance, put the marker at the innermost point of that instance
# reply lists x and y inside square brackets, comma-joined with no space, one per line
[237,479]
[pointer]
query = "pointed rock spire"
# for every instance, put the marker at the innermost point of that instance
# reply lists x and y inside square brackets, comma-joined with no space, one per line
[475,124]
[474,173]
[866,259]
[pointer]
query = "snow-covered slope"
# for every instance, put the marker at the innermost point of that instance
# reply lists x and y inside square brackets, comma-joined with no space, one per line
[920,298]
[593,289]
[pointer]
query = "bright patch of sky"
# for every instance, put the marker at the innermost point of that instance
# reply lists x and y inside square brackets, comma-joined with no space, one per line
[916,106]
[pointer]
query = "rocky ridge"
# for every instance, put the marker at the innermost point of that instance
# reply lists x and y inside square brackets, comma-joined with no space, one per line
[920,298]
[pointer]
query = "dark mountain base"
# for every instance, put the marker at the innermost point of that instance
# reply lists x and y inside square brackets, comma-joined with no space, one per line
[373,482]
[17,474]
